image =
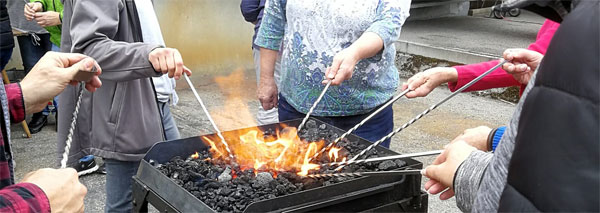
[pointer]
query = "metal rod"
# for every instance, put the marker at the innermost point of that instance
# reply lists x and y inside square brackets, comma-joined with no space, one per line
[419,116]
[310,111]
[208,115]
[361,174]
[391,101]
[411,155]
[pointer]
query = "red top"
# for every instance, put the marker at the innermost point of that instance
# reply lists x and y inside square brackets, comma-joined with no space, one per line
[21,197]
[499,78]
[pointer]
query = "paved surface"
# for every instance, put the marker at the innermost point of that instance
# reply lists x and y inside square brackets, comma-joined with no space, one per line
[467,36]
[432,132]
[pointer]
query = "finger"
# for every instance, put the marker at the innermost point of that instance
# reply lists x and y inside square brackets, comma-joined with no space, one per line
[187,71]
[68,59]
[344,73]
[437,188]
[335,66]
[447,194]
[429,183]
[93,84]
[170,63]
[441,158]
[155,62]
[163,65]
[404,86]
[178,60]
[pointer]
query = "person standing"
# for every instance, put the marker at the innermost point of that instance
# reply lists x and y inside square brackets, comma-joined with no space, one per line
[347,42]
[252,10]
[47,14]
[121,120]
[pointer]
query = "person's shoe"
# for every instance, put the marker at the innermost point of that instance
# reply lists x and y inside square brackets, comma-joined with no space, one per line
[102,169]
[86,165]
[38,121]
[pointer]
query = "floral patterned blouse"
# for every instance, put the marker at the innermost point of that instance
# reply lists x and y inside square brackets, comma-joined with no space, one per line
[313,31]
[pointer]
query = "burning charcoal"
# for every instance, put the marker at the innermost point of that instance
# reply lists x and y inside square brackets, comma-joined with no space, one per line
[322,127]
[225,176]
[400,163]
[388,165]
[310,183]
[264,178]
[311,124]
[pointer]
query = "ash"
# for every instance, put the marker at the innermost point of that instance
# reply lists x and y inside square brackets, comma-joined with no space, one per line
[224,187]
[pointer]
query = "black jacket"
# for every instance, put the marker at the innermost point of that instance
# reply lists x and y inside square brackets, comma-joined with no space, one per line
[6,36]
[556,162]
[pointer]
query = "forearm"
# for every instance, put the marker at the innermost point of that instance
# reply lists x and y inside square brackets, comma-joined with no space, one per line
[468,177]
[368,45]
[267,63]
[23,197]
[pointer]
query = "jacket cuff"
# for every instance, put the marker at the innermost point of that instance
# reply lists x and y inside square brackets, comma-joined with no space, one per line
[27,197]
[468,177]
[16,104]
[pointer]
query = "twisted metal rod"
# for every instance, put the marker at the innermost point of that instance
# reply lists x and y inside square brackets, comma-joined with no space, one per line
[361,174]
[187,79]
[392,157]
[391,101]
[65,155]
[419,116]
[310,111]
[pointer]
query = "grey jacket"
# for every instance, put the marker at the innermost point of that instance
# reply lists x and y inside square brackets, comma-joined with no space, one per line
[121,120]
[480,179]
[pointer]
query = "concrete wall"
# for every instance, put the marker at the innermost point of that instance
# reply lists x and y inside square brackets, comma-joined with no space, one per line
[211,34]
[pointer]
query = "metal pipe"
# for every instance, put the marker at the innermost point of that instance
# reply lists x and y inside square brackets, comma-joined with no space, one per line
[310,111]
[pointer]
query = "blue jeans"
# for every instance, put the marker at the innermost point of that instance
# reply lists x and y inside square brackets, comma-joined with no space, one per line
[169,125]
[5,57]
[31,53]
[118,185]
[373,130]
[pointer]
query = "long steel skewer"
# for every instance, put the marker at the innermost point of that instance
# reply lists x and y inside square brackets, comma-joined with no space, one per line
[314,105]
[391,101]
[360,174]
[411,155]
[209,117]
[419,116]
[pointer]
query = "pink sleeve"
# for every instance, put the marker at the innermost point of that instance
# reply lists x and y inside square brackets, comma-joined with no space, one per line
[499,78]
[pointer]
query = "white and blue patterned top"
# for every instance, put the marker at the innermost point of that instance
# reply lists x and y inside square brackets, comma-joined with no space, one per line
[313,31]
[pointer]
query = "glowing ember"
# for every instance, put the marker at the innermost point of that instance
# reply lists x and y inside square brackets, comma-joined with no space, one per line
[334,153]
[195,155]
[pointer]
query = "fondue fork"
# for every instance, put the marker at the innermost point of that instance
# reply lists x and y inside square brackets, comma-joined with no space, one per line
[209,117]
[361,174]
[392,157]
[391,101]
[419,116]
[313,106]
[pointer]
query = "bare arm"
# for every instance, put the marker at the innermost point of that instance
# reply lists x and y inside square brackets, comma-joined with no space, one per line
[267,89]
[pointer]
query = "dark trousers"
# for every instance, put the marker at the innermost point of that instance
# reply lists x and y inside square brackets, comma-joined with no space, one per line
[373,130]
[30,52]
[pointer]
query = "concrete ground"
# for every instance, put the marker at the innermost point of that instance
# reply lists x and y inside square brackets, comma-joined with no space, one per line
[431,132]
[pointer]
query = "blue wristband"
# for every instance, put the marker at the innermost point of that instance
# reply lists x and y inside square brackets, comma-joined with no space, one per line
[497,136]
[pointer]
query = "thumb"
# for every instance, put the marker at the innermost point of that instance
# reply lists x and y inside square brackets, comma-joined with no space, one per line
[86,64]
[433,171]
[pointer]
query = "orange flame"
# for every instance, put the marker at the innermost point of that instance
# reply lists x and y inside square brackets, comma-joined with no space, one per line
[252,150]
[334,153]
[195,155]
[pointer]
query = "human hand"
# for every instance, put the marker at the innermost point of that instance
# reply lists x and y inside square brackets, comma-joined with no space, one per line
[168,60]
[521,63]
[476,137]
[342,67]
[267,93]
[51,75]
[424,82]
[46,19]
[62,187]
[30,9]
[442,170]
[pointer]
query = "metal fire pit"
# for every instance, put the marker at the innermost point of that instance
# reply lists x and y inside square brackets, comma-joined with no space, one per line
[387,193]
